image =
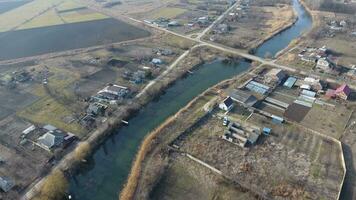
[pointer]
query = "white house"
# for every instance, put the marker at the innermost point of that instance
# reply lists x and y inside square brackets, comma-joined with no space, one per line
[324,64]
[227,104]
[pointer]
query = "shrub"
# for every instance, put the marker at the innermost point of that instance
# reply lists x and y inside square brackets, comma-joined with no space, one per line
[54,186]
[82,151]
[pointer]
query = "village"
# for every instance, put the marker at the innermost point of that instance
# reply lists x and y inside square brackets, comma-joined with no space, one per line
[267,132]
[63,100]
[273,132]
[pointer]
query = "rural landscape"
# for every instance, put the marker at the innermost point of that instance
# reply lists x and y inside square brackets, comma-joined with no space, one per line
[177,99]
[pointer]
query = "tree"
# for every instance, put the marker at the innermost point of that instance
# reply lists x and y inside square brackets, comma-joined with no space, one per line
[54,186]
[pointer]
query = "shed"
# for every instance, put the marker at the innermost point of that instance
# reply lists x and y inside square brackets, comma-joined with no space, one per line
[49,127]
[6,184]
[290,82]
[257,87]
[267,131]
[243,97]
[305,87]
[277,120]
[308,93]
[156,61]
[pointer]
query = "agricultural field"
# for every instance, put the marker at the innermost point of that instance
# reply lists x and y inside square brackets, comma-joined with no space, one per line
[40,13]
[167,12]
[12,19]
[302,165]
[65,13]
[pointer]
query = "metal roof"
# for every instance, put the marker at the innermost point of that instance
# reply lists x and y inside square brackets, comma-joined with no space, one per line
[257,87]
[290,82]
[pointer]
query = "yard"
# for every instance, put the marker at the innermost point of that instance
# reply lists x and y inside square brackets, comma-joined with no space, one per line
[298,156]
[185,179]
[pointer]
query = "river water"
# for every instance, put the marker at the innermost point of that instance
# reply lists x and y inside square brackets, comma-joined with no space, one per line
[107,170]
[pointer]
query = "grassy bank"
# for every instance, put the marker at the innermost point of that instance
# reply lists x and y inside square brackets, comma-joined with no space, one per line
[139,183]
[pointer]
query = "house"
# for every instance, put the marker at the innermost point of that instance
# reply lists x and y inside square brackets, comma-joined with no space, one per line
[6,184]
[156,61]
[173,23]
[314,83]
[351,74]
[243,98]
[112,92]
[343,23]
[96,109]
[87,121]
[227,104]
[324,64]
[163,52]
[138,77]
[343,92]
[51,139]
[222,28]
[275,75]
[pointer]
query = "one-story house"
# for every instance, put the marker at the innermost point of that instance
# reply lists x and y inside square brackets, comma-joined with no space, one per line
[51,139]
[227,104]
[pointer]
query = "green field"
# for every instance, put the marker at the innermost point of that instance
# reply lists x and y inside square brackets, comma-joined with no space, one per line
[13,18]
[167,12]
[42,13]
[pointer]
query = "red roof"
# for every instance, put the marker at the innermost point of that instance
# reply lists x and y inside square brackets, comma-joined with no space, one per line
[343,88]
[330,93]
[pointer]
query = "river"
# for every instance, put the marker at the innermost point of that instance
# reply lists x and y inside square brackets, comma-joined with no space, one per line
[108,167]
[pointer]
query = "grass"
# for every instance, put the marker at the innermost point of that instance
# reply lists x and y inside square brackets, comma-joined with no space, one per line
[69,5]
[74,17]
[49,111]
[53,107]
[18,16]
[49,18]
[167,12]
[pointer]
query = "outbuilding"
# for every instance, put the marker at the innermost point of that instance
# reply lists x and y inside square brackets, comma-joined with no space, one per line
[6,184]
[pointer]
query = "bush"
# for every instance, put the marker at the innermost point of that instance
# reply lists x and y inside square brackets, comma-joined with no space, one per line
[82,151]
[54,186]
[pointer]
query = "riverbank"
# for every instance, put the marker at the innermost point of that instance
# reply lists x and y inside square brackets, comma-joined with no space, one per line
[295,42]
[196,57]
[287,25]
[138,187]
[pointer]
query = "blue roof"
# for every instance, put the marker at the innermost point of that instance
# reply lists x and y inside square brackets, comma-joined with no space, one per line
[290,82]
[267,130]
